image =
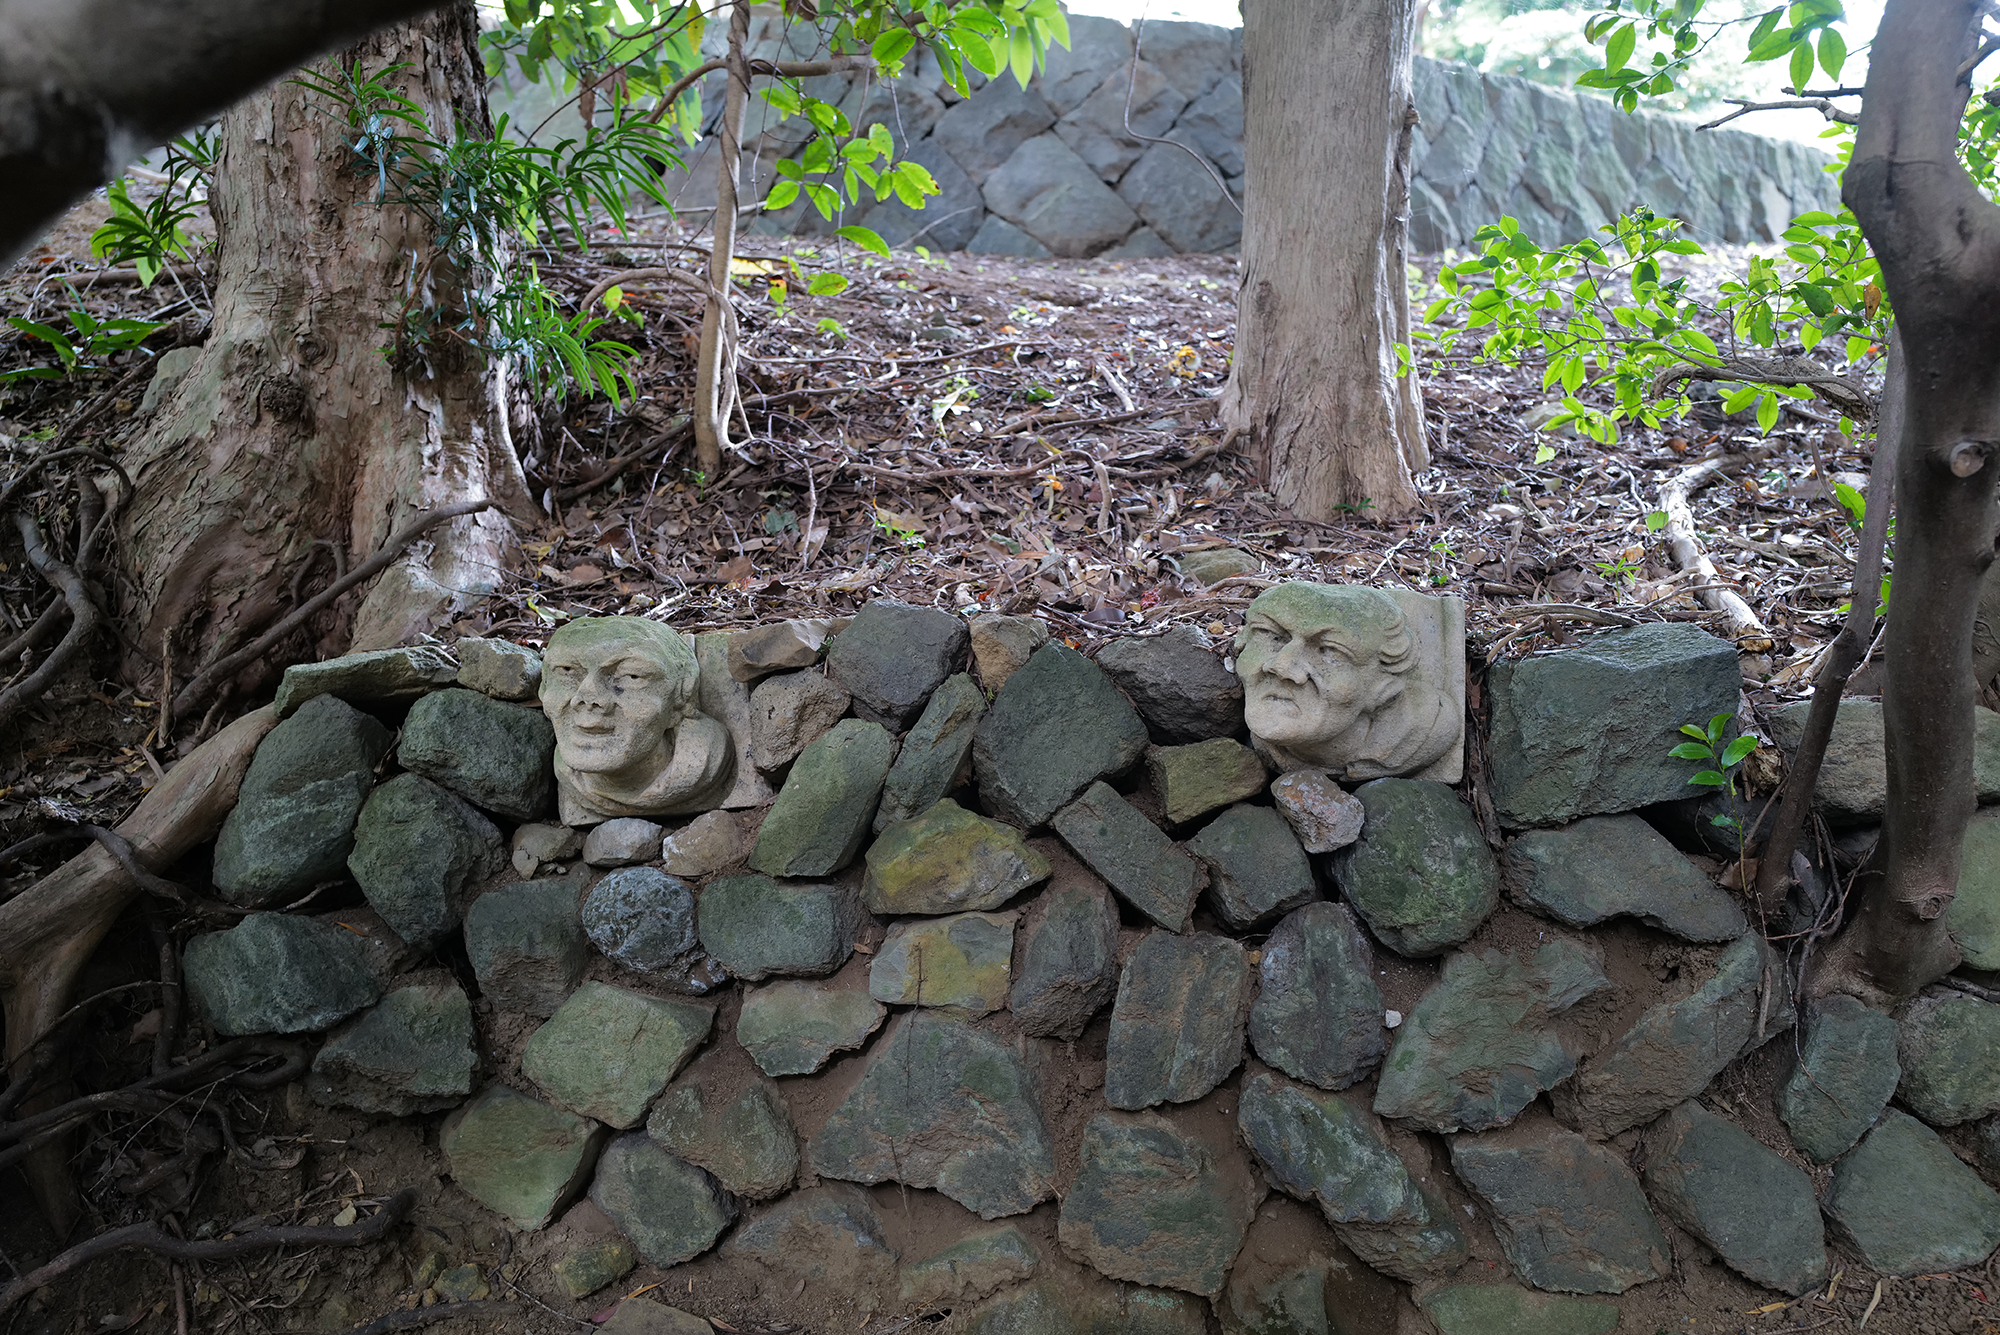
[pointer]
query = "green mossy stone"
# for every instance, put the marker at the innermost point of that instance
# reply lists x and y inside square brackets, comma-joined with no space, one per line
[1068,962]
[825,808]
[1844,1076]
[495,755]
[384,674]
[948,860]
[519,1157]
[526,944]
[1752,1206]
[1503,1309]
[1948,1045]
[755,927]
[417,850]
[1257,870]
[973,1267]
[936,756]
[1318,1014]
[607,1053]
[1202,777]
[1606,867]
[962,963]
[1421,875]
[1974,916]
[588,1269]
[1570,1215]
[795,1028]
[667,1208]
[412,1053]
[892,656]
[1908,1205]
[746,1143]
[1177,1025]
[1134,856]
[1056,727]
[278,973]
[293,823]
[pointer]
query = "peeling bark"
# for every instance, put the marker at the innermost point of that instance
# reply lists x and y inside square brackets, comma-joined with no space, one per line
[290,425]
[1314,387]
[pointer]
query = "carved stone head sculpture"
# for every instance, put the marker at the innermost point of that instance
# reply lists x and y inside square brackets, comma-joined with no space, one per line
[1361,683]
[620,693]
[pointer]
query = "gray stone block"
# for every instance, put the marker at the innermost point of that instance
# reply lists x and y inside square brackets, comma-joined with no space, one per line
[1096,128]
[997,236]
[1192,55]
[1099,49]
[1180,201]
[986,131]
[1213,126]
[1056,197]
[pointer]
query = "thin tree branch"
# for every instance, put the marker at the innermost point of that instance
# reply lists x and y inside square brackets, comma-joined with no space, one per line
[203,681]
[1744,107]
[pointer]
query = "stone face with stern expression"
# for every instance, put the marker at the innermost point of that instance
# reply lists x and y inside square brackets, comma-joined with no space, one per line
[1360,683]
[620,693]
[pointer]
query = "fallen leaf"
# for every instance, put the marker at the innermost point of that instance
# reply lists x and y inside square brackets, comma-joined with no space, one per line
[348,1214]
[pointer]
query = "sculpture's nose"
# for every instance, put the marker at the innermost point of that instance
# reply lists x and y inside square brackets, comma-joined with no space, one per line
[1289,663]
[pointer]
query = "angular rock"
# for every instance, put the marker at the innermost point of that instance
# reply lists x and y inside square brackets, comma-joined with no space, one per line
[588,1269]
[1293,1277]
[713,841]
[1675,1048]
[1201,777]
[1217,564]
[623,842]
[1056,726]
[1752,1206]
[790,713]
[1907,1204]
[1096,127]
[1065,962]
[983,132]
[411,1054]
[498,668]
[641,917]
[643,1316]
[535,845]
[1325,816]
[1147,870]
[823,812]
[1974,916]
[1057,198]
[1257,871]
[747,1143]
[948,860]
[963,963]
[493,754]
[1330,1151]
[1587,731]
[1503,1309]
[892,656]
[1177,683]
[1480,1045]
[1065,1307]
[936,757]
[1153,1206]
[1318,1013]
[794,1028]
[755,927]
[274,973]
[785,644]
[519,1157]
[386,674]
[1948,1045]
[1569,1214]
[1177,1026]
[826,1236]
[1001,646]
[1853,783]
[607,1052]
[973,1267]
[1844,1077]
[943,1105]
[462,1284]
[1605,867]
[1421,875]
[416,850]
[293,823]
[727,700]
[669,1209]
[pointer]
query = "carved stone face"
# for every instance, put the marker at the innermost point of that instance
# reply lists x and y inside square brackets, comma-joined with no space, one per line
[1331,681]
[615,689]
[1312,663]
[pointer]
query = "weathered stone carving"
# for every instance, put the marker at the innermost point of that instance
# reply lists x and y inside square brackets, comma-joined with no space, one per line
[620,692]
[1361,683]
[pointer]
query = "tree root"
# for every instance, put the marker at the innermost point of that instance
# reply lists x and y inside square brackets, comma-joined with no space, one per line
[151,1237]
[1745,626]
[204,681]
[85,616]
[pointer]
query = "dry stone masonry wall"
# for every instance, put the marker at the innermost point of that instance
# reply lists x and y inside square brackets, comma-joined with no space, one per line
[1159,1035]
[1051,169]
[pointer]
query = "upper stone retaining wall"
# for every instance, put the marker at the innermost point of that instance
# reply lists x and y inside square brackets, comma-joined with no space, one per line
[1050,169]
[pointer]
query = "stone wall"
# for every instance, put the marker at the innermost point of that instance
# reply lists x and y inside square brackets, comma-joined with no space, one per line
[1050,169]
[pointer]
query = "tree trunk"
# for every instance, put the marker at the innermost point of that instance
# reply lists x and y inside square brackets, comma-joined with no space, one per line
[1315,385]
[290,429]
[715,359]
[1938,240]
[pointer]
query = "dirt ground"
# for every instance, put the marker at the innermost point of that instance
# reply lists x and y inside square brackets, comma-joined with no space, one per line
[872,468]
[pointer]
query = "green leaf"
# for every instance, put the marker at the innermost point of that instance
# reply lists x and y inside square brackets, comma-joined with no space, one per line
[892,44]
[1738,749]
[1767,413]
[1802,64]
[1817,299]
[1544,453]
[1832,52]
[866,239]
[1692,751]
[1692,731]
[1711,778]
[827,284]
[1717,726]
[782,193]
[1656,520]
[1619,49]
[1021,55]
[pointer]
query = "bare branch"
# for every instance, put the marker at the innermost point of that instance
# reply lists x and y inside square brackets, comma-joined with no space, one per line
[1821,105]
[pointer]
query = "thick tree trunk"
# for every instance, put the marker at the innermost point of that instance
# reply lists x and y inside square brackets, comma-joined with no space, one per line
[290,428]
[1315,386]
[1938,240]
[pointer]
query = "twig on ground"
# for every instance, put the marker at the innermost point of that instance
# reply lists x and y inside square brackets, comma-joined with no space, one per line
[419,1317]
[1745,626]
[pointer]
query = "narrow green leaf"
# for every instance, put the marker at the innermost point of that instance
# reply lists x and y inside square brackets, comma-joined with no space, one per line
[1738,749]
[1619,49]
[866,239]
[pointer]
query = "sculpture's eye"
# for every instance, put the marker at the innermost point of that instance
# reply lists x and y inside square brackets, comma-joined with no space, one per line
[567,671]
